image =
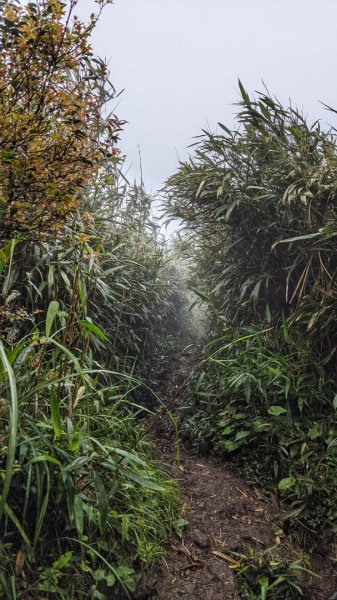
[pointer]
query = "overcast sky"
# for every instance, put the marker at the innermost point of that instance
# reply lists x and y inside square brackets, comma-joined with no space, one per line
[179,61]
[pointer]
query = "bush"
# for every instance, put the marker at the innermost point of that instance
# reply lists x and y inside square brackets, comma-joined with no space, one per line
[259,203]
[262,401]
[262,575]
[85,501]
[89,306]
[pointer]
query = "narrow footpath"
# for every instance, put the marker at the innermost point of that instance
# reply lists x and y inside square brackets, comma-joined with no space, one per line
[224,515]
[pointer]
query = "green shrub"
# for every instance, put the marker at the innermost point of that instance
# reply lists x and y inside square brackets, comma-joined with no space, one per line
[86,502]
[265,402]
[259,203]
[266,576]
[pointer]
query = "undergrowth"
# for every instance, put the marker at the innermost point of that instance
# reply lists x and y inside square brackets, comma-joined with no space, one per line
[85,501]
[255,405]
[262,575]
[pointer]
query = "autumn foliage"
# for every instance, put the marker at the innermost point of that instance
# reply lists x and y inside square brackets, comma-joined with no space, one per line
[53,136]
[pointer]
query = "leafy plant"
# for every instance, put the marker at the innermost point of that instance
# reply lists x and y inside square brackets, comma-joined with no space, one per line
[259,206]
[262,576]
[89,483]
[53,134]
[90,307]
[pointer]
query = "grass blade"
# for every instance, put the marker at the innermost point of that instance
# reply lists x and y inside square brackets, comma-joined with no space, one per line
[13,427]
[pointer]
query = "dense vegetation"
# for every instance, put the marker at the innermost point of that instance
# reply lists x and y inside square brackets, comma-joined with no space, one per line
[259,204]
[91,306]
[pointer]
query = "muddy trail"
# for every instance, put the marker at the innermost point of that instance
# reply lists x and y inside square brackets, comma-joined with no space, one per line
[224,515]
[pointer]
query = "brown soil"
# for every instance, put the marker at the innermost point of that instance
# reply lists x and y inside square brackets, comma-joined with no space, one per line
[224,515]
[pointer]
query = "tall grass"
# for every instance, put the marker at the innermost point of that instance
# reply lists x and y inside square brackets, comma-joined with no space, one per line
[84,501]
[259,205]
[13,427]
[90,309]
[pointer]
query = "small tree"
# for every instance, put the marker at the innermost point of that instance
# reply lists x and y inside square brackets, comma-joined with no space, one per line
[53,136]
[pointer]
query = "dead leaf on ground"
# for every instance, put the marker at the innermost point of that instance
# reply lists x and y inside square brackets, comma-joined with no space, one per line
[20,561]
[234,564]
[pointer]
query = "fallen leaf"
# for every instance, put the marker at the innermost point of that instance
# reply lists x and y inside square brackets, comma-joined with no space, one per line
[235,563]
[20,561]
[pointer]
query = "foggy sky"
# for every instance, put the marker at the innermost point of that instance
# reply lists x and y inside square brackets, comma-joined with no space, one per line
[179,61]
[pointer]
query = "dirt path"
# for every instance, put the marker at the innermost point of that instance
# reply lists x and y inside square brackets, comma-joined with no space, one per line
[224,514]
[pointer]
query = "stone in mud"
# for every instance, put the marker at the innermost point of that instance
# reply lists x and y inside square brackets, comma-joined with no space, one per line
[200,538]
[225,578]
[218,569]
[235,509]
[189,591]
[145,591]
